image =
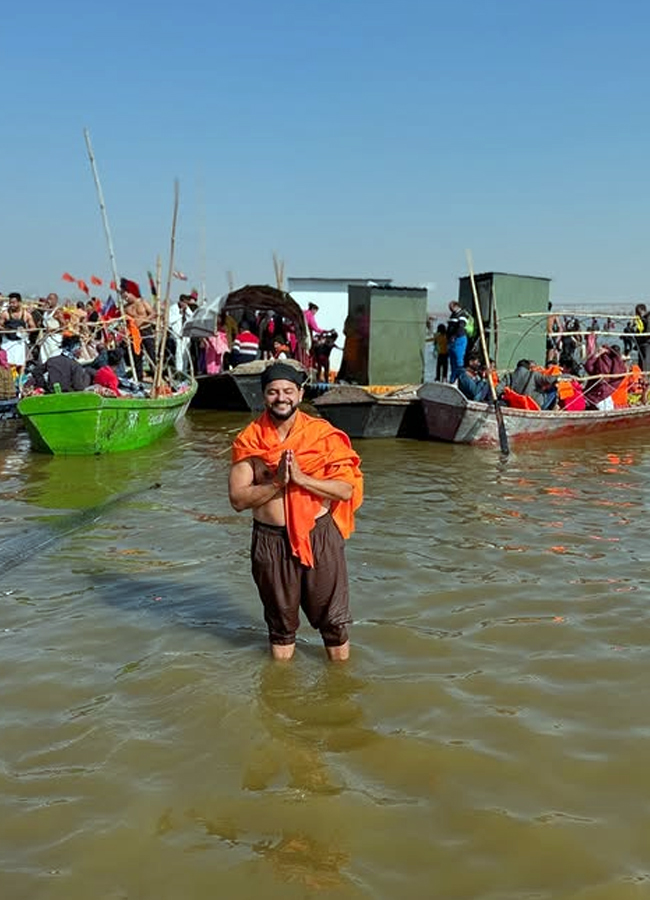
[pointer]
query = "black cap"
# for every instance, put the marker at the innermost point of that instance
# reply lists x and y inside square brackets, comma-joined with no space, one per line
[279,371]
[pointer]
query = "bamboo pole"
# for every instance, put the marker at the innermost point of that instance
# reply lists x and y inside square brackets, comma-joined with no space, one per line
[278,266]
[159,309]
[501,425]
[163,344]
[109,240]
[574,314]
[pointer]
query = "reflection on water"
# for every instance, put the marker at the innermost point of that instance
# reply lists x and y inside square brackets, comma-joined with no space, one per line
[487,739]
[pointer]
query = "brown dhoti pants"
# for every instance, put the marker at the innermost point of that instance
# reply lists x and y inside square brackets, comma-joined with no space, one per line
[285,585]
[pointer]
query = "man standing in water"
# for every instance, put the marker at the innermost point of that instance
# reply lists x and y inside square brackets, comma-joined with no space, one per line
[301,478]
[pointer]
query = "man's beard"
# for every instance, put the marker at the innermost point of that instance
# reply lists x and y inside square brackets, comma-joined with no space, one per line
[285,414]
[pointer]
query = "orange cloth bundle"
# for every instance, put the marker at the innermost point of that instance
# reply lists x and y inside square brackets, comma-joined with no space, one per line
[519,401]
[322,451]
[136,338]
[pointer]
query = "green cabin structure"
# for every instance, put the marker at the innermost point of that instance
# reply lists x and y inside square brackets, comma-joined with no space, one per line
[385,334]
[514,310]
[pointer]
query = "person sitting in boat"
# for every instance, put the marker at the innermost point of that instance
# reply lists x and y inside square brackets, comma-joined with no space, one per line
[608,363]
[456,339]
[63,372]
[280,349]
[107,376]
[472,381]
[570,392]
[528,381]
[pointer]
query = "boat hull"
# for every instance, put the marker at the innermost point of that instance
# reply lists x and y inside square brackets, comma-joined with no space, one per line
[450,416]
[360,414]
[85,423]
[236,393]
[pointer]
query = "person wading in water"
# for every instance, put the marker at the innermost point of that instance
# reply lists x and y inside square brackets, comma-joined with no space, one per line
[301,478]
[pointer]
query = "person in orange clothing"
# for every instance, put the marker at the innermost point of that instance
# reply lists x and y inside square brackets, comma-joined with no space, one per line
[301,478]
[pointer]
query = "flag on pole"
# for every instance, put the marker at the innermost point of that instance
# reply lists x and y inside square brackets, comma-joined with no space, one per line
[181,276]
[113,286]
[152,285]
[95,280]
[109,310]
[67,277]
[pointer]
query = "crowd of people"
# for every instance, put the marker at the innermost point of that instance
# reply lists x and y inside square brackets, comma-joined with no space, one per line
[265,335]
[110,346]
[585,368]
[128,329]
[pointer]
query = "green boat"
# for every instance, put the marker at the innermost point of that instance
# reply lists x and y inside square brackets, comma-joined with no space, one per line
[83,423]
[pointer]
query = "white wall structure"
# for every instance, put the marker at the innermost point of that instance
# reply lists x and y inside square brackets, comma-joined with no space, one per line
[331,297]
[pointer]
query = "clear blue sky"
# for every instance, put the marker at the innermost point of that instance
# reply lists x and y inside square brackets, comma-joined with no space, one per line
[354,138]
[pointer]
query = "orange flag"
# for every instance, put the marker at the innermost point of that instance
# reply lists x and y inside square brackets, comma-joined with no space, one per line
[67,277]
[95,280]
[83,286]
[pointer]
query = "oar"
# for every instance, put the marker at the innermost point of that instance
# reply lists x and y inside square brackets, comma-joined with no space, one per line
[501,425]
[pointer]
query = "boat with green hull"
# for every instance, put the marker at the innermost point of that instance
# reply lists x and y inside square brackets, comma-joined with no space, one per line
[83,423]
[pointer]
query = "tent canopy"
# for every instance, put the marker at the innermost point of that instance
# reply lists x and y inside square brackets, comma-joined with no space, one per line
[251,299]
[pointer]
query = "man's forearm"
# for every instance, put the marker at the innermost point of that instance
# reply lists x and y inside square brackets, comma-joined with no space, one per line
[329,489]
[254,496]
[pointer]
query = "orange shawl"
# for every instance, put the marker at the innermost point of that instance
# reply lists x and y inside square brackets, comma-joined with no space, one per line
[322,451]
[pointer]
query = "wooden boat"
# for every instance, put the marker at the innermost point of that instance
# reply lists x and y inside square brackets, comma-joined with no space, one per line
[450,416]
[373,411]
[232,390]
[85,422]
[239,389]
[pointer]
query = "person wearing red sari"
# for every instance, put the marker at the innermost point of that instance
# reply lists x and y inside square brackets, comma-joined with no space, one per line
[301,478]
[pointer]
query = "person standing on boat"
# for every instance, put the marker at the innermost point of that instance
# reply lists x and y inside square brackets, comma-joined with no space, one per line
[144,318]
[301,478]
[52,326]
[246,345]
[456,339]
[441,344]
[7,384]
[310,319]
[15,323]
[641,328]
